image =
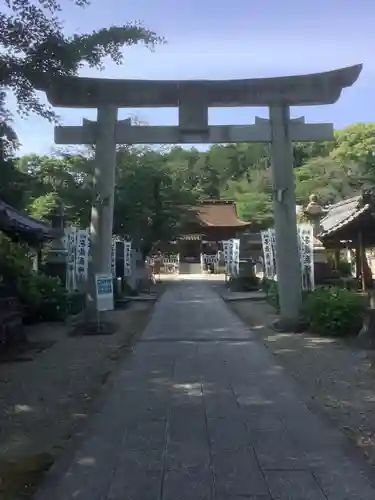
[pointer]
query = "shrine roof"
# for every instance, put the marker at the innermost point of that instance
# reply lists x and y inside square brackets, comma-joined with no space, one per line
[13,221]
[343,213]
[219,213]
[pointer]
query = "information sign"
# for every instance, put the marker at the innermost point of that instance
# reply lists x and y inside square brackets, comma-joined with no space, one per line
[104,292]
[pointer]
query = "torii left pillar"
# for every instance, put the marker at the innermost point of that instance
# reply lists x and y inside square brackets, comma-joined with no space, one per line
[104,177]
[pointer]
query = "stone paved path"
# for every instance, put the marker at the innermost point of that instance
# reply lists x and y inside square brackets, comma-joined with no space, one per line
[201,411]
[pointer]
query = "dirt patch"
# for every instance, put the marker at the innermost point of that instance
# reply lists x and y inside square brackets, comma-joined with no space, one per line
[337,378]
[47,399]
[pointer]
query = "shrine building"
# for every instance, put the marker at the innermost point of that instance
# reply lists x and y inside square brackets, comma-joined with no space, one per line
[213,221]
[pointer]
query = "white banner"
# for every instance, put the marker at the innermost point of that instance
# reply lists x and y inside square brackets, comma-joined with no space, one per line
[227,255]
[235,268]
[127,258]
[78,245]
[71,246]
[306,253]
[231,250]
[82,255]
[268,254]
[113,256]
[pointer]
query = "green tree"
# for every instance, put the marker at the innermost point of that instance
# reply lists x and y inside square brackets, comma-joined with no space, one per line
[356,144]
[67,178]
[328,179]
[15,186]
[151,203]
[155,188]
[34,48]
[8,138]
[253,204]
[305,151]
[44,206]
[256,208]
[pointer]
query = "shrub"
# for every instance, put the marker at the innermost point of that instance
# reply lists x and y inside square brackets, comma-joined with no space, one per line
[54,301]
[75,302]
[43,296]
[244,283]
[15,261]
[265,284]
[344,268]
[273,294]
[334,311]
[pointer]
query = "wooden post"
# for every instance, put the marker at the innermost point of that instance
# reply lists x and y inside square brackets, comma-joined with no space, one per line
[357,258]
[362,257]
[337,259]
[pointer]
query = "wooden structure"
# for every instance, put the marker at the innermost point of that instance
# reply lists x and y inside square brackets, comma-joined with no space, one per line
[212,222]
[20,227]
[351,224]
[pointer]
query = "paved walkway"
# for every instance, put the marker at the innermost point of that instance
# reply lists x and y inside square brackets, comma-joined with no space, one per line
[201,411]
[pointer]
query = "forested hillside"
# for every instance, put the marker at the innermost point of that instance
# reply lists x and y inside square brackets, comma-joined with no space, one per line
[154,187]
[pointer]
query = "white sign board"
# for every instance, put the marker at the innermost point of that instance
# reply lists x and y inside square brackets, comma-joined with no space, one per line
[104,292]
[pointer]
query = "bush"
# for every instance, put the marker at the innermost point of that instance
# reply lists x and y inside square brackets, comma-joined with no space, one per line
[43,296]
[75,303]
[344,268]
[244,283]
[271,288]
[54,298]
[334,311]
[265,284]
[273,294]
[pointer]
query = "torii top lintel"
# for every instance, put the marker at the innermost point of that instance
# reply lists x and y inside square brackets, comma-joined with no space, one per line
[313,89]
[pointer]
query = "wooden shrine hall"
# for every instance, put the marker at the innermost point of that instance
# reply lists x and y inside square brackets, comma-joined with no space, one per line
[213,221]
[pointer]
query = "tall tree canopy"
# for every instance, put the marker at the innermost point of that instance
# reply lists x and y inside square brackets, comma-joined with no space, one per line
[155,187]
[34,48]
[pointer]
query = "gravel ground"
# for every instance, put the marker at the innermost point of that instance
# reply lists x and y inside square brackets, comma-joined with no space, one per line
[48,391]
[337,378]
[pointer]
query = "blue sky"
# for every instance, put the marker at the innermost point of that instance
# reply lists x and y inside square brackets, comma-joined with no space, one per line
[230,39]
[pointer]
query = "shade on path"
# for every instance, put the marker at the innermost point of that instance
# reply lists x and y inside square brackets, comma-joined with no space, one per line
[200,410]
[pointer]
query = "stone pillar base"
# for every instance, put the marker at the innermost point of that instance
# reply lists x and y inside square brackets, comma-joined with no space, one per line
[366,337]
[291,326]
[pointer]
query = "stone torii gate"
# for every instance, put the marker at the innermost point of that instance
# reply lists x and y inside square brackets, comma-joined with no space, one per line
[193,98]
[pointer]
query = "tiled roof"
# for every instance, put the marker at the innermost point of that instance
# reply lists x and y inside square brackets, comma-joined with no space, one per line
[13,219]
[219,214]
[342,213]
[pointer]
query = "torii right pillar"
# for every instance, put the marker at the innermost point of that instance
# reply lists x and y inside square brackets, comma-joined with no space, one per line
[314,90]
[288,267]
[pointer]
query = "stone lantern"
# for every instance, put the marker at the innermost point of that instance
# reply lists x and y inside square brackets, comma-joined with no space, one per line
[314,212]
